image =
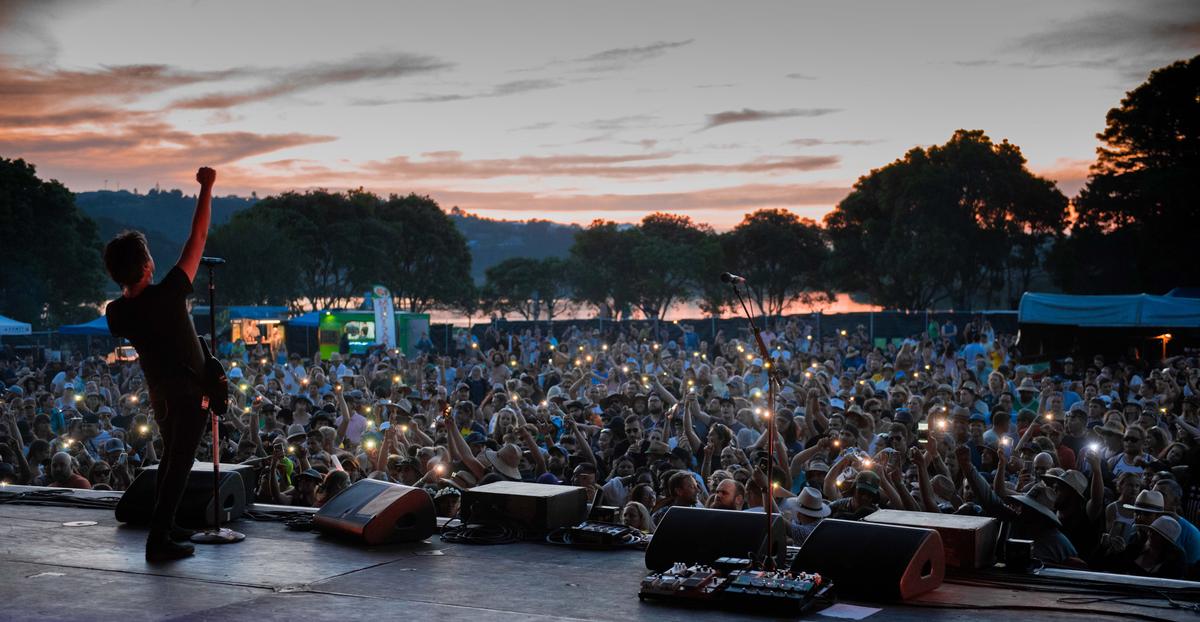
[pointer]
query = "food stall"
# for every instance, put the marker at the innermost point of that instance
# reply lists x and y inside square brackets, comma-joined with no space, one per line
[351,331]
[253,324]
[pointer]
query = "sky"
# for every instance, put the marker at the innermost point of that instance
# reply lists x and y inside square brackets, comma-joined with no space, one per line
[567,111]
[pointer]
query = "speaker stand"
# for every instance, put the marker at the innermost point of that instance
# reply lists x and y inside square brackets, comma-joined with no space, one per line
[218,534]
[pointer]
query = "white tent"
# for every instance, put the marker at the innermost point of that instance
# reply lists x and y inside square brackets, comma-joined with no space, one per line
[13,327]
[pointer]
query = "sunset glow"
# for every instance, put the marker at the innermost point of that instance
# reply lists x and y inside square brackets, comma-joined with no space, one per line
[562,111]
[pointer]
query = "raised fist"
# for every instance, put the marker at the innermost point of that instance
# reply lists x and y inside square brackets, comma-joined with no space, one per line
[206,176]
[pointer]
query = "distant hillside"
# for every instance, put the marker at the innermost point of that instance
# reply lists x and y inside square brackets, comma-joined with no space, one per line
[166,216]
[493,241]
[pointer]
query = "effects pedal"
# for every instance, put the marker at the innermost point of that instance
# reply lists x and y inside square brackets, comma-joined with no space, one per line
[598,535]
[730,584]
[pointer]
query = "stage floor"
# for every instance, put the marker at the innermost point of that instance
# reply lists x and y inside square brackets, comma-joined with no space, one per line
[51,571]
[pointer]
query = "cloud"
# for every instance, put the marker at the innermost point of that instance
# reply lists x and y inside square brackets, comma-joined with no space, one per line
[99,115]
[613,59]
[619,58]
[813,142]
[503,89]
[449,165]
[742,197]
[532,127]
[614,124]
[800,76]
[23,88]
[305,78]
[23,31]
[1092,63]
[746,115]
[1168,27]
[1131,39]
[142,149]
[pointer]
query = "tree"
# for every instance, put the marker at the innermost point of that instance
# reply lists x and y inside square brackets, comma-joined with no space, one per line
[782,257]
[262,260]
[1138,209]
[51,272]
[940,224]
[526,286]
[601,263]
[326,248]
[669,257]
[424,259]
[511,286]
[324,237]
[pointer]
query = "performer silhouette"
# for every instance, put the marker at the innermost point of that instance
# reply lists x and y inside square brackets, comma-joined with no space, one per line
[155,319]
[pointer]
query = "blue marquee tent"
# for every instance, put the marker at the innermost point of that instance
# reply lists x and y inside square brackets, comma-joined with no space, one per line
[97,327]
[307,320]
[246,312]
[1131,311]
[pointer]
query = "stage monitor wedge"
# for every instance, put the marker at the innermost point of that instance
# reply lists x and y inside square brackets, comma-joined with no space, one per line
[376,512]
[196,507]
[874,562]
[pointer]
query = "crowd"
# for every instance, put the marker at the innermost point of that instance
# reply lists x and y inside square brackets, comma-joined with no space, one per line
[1091,461]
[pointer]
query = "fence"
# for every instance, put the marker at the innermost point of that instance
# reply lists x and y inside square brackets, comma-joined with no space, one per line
[881,326]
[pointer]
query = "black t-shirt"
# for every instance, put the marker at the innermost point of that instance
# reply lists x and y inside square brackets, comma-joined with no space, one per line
[157,323]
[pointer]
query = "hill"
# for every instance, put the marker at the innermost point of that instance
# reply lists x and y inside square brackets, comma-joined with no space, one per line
[165,217]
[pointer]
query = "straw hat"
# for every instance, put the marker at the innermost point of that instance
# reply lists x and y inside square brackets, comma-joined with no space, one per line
[812,504]
[1167,527]
[1073,479]
[460,479]
[1147,501]
[506,460]
[1041,499]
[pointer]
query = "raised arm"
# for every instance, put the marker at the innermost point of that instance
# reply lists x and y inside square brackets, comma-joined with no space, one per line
[829,488]
[463,450]
[921,460]
[193,249]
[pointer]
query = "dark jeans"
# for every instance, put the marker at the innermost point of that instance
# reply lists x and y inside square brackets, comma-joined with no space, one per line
[181,422]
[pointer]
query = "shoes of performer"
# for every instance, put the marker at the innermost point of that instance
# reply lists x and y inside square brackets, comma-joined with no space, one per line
[161,549]
[181,534]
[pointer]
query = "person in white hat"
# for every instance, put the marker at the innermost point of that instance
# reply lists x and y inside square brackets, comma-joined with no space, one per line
[1153,552]
[809,509]
[1030,515]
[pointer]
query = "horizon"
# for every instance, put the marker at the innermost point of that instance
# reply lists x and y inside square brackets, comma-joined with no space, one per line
[564,113]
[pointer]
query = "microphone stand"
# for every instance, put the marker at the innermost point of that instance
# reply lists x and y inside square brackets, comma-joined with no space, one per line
[772,381]
[217,534]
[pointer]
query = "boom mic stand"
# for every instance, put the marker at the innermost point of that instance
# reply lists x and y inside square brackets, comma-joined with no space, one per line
[217,534]
[772,382]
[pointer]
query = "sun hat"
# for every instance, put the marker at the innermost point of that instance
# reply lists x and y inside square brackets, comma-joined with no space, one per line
[868,481]
[460,480]
[1073,479]
[1147,501]
[816,465]
[1039,498]
[1167,527]
[312,474]
[1111,427]
[505,460]
[812,504]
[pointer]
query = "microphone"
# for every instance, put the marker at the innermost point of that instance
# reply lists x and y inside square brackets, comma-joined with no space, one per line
[211,261]
[732,279]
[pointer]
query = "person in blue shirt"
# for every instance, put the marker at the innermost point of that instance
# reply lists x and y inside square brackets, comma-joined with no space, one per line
[1189,535]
